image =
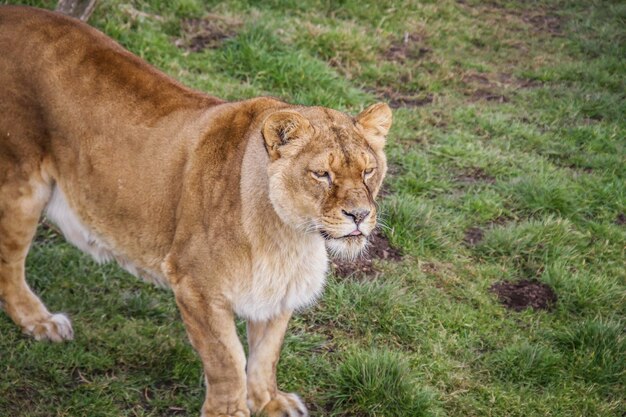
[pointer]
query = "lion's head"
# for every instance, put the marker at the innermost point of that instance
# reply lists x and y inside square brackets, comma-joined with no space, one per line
[325,171]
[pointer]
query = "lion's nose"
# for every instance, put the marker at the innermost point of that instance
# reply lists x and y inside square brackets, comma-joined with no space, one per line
[357,215]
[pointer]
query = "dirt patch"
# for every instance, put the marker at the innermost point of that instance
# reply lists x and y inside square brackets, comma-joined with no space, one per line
[208,32]
[543,22]
[540,20]
[586,170]
[20,399]
[473,236]
[475,175]
[444,275]
[620,220]
[493,86]
[135,14]
[500,220]
[397,99]
[520,295]
[379,248]
[515,82]
[411,46]
[488,95]
[498,80]
[436,268]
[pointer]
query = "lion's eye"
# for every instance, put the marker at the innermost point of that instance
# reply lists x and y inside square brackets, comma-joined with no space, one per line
[368,172]
[323,176]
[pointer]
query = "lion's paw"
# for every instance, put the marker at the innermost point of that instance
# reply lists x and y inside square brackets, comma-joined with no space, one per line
[237,414]
[55,327]
[285,405]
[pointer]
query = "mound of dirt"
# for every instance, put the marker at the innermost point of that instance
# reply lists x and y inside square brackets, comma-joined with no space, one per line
[379,248]
[520,295]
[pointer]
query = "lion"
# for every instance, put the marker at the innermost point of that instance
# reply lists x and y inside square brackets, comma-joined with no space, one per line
[232,205]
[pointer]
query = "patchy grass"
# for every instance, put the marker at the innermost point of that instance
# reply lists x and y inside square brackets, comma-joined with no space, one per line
[507,164]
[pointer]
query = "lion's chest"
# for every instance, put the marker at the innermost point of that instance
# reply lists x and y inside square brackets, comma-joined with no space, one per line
[284,278]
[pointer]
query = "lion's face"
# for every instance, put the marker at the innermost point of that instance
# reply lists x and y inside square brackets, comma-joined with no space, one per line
[325,172]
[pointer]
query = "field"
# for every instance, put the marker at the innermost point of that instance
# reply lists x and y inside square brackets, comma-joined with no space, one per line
[497,286]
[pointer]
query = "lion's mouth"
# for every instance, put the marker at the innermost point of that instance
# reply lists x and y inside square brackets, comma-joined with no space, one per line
[354,235]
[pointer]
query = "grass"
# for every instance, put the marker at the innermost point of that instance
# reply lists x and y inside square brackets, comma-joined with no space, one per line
[510,117]
[376,383]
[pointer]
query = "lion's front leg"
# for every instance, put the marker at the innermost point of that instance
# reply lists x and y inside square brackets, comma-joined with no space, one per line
[211,329]
[265,340]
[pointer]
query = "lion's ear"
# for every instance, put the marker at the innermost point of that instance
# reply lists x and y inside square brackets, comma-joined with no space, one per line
[375,122]
[282,128]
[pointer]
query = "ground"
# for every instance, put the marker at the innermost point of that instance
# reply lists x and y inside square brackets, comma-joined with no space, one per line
[496,285]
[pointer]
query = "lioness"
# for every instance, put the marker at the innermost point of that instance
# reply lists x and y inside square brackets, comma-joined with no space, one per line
[233,205]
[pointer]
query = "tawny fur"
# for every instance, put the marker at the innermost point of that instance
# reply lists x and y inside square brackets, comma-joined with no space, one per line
[233,205]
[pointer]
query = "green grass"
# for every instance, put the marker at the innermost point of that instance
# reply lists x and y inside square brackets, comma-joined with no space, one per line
[376,383]
[521,133]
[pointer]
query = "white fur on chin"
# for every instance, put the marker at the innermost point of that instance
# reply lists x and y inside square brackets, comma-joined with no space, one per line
[346,249]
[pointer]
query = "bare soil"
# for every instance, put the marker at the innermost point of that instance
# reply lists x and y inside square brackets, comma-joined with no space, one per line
[397,99]
[542,20]
[487,95]
[475,175]
[410,46]
[208,32]
[500,220]
[473,236]
[493,86]
[524,294]
[379,248]
[400,100]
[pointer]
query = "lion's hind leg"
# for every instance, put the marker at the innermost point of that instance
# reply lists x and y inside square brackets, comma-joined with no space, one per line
[21,203]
